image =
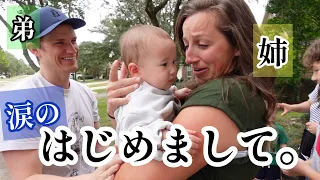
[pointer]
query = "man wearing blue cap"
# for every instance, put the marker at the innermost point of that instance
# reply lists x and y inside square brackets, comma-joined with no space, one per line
[58,57]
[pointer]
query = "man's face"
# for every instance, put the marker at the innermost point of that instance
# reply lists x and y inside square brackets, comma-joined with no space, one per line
[58,51]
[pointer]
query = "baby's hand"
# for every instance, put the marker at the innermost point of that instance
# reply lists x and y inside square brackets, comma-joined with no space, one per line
[182,93]
[196,142]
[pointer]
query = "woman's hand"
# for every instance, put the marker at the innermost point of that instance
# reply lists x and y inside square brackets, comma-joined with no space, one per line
[107,172]
[118,88]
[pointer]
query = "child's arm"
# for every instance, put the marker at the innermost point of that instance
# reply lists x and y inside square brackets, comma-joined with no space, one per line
[303,107]
[309,162]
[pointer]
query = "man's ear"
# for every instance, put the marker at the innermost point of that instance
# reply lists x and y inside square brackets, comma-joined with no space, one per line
[134,69]
[33,49]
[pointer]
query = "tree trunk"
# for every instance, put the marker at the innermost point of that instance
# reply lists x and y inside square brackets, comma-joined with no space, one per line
[175,15]
[152,11]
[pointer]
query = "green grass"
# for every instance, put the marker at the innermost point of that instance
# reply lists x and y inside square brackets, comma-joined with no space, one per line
[96,85]
[87,80]
[293,124]
[100,91]
[102,107]
[289,115]
[91,80]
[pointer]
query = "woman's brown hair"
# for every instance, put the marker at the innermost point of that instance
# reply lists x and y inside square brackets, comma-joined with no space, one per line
[235,22]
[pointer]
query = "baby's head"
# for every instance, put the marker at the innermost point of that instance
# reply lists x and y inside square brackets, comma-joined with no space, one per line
[150,53]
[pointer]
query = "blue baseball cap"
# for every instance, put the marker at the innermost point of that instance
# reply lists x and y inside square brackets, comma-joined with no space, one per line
[48,18]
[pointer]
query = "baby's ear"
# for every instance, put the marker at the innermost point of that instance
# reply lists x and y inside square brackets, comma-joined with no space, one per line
[133,69]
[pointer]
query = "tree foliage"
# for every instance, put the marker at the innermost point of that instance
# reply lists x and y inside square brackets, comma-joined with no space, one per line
[4,63]
[11,66]
[126,13]
[95,57]
[17,66]
[91,59]
[304,15]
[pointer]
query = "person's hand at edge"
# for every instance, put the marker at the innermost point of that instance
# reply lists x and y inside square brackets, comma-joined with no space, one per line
[118,88]
[107,172]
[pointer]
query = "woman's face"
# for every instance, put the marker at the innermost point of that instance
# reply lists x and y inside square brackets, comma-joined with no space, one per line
[207,50]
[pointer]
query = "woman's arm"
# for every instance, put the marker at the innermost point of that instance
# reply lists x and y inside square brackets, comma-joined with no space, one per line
[193,118]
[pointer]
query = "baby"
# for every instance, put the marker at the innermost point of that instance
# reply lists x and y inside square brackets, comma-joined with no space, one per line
[149,53]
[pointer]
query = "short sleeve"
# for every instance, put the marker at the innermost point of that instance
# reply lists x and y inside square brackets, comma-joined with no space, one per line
[234,99]
[313,96]
[17,144]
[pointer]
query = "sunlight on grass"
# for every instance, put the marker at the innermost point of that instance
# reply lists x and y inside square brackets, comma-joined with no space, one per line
[91,81]
[100,91]
[97,85]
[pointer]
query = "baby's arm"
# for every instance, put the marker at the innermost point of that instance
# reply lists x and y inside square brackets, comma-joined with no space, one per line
[182,93]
